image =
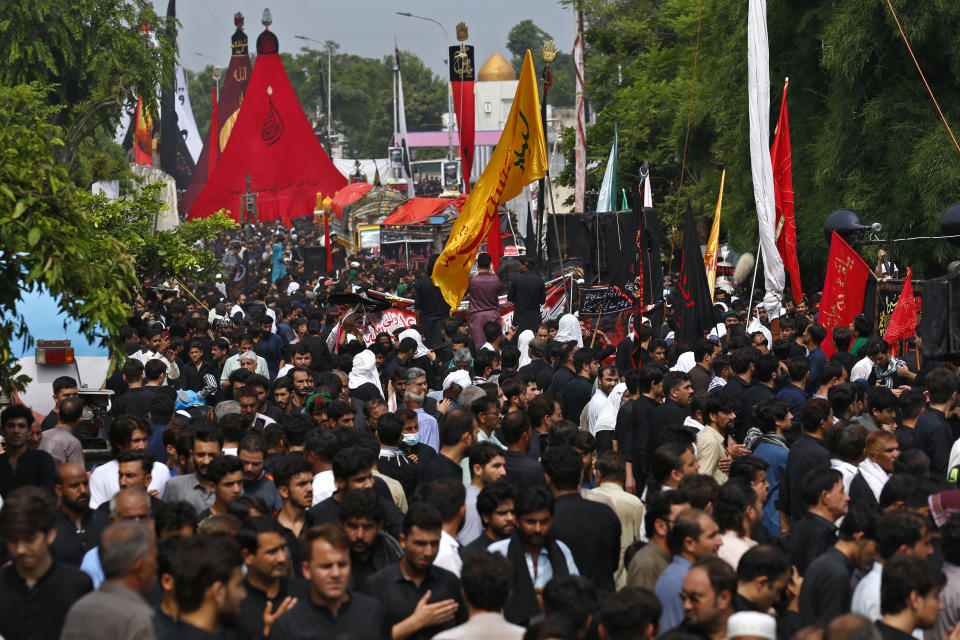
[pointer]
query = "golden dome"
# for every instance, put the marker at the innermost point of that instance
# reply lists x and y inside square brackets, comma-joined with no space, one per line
[496,68]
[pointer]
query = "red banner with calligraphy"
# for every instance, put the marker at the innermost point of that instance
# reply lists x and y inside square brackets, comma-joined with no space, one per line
[903,322]
[843,289]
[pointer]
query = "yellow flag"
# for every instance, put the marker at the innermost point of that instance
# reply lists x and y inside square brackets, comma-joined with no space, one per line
[519,159]
[710,257]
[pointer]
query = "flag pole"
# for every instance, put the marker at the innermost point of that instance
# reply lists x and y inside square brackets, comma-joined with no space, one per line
[753,283]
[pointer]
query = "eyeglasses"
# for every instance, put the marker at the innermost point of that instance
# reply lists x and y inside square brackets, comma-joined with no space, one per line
[692,597]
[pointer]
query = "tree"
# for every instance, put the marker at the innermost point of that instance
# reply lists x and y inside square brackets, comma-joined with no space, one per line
[97,59]
[864,132]
[48,240]
[526,35]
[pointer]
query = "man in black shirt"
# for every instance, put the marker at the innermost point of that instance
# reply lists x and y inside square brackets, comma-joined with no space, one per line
[35,591]
[352,471]
[136,401]
[332,609]
[371,548]
[671,414]
[430,307]
[522,470]
[826,592]
[932,433]
[269,590]
[77,529]
[576,394]
[910,598]
[21,464]
[208,586]
[590,529]
[634,431]
[495,508]
[63,387]
[403,587]
[808,452]
[457,434]
[815,532]
[528,294]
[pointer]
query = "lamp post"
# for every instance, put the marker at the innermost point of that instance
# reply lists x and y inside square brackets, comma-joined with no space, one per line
[217,70]
[329,101]
[446,43]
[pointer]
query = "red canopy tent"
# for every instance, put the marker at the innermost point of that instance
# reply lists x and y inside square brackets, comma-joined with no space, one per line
[272,143]
[347,196]
[418,209]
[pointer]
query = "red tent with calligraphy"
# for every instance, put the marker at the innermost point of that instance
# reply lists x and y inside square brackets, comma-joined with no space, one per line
[273,143]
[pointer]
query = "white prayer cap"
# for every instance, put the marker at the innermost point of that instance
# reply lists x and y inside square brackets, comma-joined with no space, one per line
[751,624]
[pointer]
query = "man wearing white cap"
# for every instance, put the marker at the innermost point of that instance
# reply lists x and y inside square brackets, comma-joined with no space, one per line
[751,625]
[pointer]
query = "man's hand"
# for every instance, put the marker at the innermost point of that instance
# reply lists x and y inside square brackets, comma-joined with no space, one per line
[904,372]
[428,614]
[511,331]
[270,616]
[738,450]
[630,484]
[444,405]
[431,355]
[725,464]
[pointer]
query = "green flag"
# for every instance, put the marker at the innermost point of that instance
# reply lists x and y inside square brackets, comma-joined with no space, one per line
[608,189]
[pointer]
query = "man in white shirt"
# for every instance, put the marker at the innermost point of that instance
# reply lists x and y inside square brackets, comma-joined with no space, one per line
[246,354]
[607,379]
[448,496]
[125,433]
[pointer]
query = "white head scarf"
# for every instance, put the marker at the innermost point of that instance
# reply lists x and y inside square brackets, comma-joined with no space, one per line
[608,415]
[364,370]
[685,362]
[523,342]
[413,333]
[569,329]
[459,377]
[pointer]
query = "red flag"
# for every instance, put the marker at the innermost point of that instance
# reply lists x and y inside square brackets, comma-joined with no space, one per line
[843,289]
[214,143]
[142,135]
[786,233]
[903,321]
[461,84]
[495,243]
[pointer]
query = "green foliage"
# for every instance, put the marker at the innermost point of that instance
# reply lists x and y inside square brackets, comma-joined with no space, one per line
[158,255]
[47,239]
[526,35]
[361,96]
[97,59]
[864,132]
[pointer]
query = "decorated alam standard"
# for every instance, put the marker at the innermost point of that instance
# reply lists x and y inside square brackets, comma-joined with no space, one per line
[416,434]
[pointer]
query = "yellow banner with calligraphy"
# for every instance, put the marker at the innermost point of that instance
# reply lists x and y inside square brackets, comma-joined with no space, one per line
[519,158]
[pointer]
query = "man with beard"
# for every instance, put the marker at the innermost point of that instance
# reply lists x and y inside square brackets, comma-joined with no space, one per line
[208,586]
[77,531]
[533,547]
[196,488]
[252,452]
[707,597]
[35,590]
[270,592]
[333,610]
[415,584]
[371,548]
[496,511]
[226,474]
[487,465]
[294,480]
[302,389]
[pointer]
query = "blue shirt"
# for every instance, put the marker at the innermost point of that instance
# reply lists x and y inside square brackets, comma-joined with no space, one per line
[155,446]
[776,457]
[794,396]
[544,570]
[90,565]
[668,588]
[817,359]
[429,431]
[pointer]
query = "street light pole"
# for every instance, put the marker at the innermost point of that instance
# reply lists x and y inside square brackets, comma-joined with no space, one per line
[446,44]
[217,71]
[329,99]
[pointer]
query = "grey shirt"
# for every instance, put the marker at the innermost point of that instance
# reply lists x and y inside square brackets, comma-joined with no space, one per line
[60,443]
[114,611]
[187,488]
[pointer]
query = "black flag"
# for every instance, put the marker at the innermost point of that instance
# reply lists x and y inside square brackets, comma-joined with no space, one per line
[694,309]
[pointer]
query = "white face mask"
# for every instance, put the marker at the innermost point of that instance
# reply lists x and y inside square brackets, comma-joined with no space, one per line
[411,439]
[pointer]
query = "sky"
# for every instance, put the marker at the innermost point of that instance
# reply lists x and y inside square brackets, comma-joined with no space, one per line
[365,27]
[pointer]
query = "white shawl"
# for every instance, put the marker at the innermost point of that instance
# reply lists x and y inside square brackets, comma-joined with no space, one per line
[523,343]
[364,370]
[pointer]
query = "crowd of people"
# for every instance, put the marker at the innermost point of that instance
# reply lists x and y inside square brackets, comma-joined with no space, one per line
[275,476]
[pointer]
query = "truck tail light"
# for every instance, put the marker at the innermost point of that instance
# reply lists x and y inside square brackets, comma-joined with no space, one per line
[54,352]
